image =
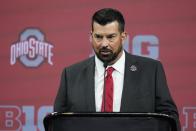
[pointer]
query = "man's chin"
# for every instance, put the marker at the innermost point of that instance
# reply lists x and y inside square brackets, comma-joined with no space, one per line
[105,59]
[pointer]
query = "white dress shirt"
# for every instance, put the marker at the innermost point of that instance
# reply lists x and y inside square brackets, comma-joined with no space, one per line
[118,79]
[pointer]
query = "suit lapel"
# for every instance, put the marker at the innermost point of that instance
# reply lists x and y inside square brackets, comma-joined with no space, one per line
[88,79]
[130,89]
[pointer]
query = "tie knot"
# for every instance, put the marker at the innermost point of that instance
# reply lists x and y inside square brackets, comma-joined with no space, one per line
[110,70]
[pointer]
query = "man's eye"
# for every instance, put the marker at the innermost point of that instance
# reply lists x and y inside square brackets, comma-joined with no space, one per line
[111,36]
[98,36]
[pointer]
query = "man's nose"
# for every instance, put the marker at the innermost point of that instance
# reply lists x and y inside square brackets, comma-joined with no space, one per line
[105,42]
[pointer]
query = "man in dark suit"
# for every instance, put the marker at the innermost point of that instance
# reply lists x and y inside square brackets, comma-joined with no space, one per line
[138,83]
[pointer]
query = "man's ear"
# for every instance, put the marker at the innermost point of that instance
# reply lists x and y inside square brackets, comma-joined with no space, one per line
[124,35]
[91,35]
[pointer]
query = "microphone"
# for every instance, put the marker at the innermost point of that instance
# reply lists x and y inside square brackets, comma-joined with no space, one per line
[105,64]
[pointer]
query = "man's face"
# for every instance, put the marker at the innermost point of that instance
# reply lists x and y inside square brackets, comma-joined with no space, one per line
[107,41]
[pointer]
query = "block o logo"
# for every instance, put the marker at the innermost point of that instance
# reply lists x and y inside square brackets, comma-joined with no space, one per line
[31,49]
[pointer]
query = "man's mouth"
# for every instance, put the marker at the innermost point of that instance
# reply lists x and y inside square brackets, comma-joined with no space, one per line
[105,53]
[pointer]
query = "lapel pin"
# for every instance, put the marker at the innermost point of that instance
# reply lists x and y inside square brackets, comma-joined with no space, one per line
[133,68]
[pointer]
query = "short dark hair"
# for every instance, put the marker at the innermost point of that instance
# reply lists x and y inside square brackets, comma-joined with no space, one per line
[107,15]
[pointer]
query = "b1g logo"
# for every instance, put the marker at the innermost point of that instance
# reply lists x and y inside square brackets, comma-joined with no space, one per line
[190,119]
[25,118]
[143,45]
[31,49]
[146,45]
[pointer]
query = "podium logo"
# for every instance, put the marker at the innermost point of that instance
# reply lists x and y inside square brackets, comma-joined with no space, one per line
[31,49]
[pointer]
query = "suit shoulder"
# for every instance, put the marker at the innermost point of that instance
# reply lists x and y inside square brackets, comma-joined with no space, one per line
[145,64]
[80,65]
[146,60]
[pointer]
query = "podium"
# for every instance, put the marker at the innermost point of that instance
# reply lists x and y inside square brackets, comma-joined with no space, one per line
[109,122]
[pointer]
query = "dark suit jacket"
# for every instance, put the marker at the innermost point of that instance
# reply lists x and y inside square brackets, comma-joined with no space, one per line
[145,90]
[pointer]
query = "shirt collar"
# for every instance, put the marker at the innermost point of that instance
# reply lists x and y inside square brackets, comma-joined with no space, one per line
[118,65]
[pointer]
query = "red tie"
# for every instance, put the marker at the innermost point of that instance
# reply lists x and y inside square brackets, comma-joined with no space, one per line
[108,96]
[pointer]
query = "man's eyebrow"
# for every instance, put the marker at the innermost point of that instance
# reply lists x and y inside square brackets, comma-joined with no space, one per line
[97,34]
[113,34]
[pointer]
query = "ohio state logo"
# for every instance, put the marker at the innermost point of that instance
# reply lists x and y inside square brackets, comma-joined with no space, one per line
[32,49]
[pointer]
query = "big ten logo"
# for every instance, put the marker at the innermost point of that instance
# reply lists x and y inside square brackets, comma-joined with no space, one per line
[190,119]
[142,45]
[25,118]
[146,45]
